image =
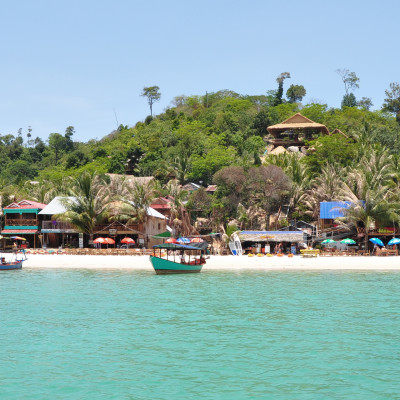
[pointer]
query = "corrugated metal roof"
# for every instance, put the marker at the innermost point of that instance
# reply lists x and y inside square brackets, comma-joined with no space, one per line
[55,206]
[332,209]
[25,204]
[18,231]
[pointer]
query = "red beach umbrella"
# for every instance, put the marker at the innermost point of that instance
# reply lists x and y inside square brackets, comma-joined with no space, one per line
[128,240]
[100,240]
[109,240]
[196,240]
[171,240]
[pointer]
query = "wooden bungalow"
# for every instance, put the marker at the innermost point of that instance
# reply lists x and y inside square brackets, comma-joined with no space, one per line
[23,219]
[295,131]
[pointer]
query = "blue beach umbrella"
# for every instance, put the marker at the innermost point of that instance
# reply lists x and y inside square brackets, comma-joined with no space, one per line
[376,241]
[394,241]
[183,240]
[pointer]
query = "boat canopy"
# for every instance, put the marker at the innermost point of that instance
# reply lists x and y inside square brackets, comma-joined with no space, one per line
[177,246]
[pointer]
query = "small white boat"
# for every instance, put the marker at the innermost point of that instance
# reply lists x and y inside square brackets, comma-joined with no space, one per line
[235,245]
[18,257]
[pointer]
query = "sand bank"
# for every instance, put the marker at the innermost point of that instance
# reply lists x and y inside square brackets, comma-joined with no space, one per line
[218,263]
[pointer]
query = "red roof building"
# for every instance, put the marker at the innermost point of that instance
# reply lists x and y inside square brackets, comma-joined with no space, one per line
[22,219]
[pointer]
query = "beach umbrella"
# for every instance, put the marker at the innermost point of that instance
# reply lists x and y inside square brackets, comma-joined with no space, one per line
[109,240]
[327,241]
[394,241]
[128,240]
[17,238]
[100,240]
[376,241]
[196,240]
[171,240]
[348,241]
[183,240]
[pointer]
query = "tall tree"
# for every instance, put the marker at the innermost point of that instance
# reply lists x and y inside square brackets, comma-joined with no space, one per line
[153,94]
[295,93]
[57,144]
[392,100]
[279,93]
[69,132]
[350,79]
[349,100]
[365,103]
[351,82]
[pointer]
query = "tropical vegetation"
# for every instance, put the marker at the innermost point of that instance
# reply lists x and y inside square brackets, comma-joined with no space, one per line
[219,138]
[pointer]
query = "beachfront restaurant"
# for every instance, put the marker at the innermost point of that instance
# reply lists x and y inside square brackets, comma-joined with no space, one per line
[22,220]
[330,210]
[272,241]
[58,233]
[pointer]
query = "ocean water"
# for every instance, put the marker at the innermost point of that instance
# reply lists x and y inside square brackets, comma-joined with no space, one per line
[84,334]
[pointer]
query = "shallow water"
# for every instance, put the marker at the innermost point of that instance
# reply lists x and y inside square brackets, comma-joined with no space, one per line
[79,334]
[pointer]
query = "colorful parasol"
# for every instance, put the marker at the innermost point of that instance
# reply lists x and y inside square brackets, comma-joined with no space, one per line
[376,241]
[393,241]
[196,240]
[128,240]
[348,241]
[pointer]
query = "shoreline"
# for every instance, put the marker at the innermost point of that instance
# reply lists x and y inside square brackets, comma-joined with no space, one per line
[217,263]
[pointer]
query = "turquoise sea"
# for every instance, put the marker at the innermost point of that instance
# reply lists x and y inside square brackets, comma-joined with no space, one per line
[84,334]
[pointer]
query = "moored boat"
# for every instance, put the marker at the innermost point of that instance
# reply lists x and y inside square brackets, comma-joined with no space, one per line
[170,258]
[15,263]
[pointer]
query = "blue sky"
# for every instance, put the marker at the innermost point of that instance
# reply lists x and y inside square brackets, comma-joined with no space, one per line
[81,62]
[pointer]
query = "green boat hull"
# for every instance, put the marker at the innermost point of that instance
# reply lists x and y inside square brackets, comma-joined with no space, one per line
[163,266]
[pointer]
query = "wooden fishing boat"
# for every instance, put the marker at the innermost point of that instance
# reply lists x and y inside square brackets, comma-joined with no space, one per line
[171,258]
[15,262]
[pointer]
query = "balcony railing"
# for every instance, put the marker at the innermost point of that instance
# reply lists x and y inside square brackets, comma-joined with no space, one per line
[99,229]
[56,225]
[21,222]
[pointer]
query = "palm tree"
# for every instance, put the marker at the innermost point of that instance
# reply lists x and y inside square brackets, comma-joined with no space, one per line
[133,202]
[180,219]
[89,203]
[371,197]
[325,187]
[41,191]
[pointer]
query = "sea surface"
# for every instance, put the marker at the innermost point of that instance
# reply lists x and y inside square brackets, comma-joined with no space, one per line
[84,334]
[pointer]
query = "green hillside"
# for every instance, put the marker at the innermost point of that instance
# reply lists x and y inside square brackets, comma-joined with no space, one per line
[209,139]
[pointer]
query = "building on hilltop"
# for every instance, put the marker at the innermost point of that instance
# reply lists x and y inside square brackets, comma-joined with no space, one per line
[295,131]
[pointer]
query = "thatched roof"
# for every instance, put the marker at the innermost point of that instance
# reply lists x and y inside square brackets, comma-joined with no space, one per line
[278,150]
[297,121]
[141,180]
[340,132]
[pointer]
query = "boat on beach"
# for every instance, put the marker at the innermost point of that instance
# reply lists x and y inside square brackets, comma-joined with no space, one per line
[18,257]
[171,258]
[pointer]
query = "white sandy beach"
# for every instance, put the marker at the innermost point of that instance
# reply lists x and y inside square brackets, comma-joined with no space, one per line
[217,263]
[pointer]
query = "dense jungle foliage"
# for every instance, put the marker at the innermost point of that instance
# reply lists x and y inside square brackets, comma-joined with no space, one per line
[220,138]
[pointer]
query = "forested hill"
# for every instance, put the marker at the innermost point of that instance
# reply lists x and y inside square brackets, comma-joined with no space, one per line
[192,140]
